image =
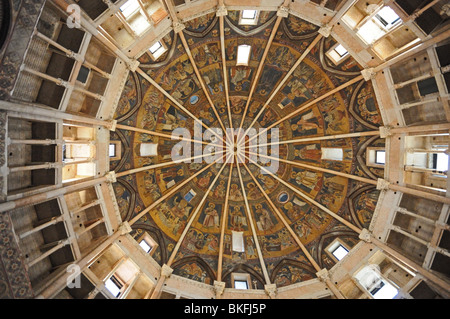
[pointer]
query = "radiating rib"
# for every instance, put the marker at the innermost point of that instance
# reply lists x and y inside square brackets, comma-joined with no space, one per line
[223,225]
[309,199]
[146,168]
[144,131]
[287,76]
[193,216]
[319,138]
[309,104]
[252,225]
[194,65]
[170,193]
[260,68]
[181,107]
[403,189]
[283,220]
[224,68]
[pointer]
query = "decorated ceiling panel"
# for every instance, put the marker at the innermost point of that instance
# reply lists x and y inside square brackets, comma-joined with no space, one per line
[191,214]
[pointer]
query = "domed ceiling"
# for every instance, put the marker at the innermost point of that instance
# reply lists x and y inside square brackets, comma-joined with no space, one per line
[353,109]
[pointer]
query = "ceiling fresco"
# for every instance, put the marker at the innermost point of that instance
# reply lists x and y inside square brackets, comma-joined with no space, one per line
[353,109]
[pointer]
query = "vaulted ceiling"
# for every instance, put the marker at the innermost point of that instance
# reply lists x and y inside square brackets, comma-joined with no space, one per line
[283,95]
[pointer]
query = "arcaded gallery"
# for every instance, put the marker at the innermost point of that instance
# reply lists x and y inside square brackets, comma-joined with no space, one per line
[224,149]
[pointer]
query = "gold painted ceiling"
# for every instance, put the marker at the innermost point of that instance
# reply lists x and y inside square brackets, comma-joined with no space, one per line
[353,109]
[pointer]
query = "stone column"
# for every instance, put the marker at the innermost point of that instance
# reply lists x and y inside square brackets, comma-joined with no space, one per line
[271,290]
[219,288]
[166,271]
[324,276]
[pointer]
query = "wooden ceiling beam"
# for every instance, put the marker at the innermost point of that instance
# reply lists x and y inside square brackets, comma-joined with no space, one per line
[294,235]
[320,138]
[309,199]
[193,216]
[252,226]
[146,168]
[309,104]
[144,131]
[261,64]
[223,225]
[168,194]
[221,13]
[178,28]
[166,267]
[177,104]
[286,77]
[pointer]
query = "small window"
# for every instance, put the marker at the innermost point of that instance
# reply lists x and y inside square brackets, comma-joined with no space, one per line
[428,86]
[114,286]
[112,150]
[147,243]
[380,157]
[240,281]
[129,8]
[243,54]
[340,252]
[240,284]
[440,162]
[337,53]
[388,17]
[154,48]
[376,157]
[248,17]
[157,49]
[249,14]
[337,250]
[385,20]
[341,50]
[145,246]
[384,291]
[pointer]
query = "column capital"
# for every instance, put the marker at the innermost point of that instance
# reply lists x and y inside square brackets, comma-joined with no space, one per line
[385,131]
[445,9]
[283,12]
[166,271]
[124,228]
[382,184]
[219,287]
[365,235]
[368,74]
[178,27]
[323,274]
[111,177]
[271,290]
[222,11]
[133,65]
[325,31]
[112,125]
